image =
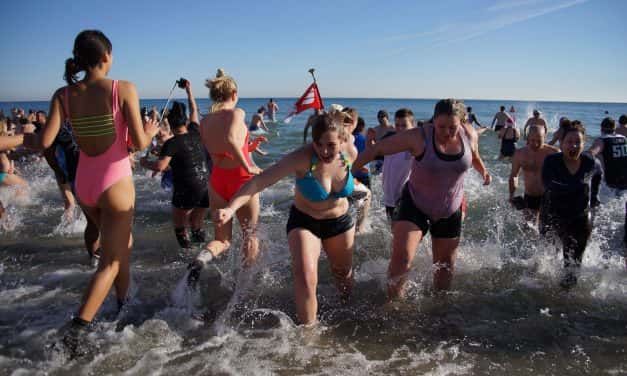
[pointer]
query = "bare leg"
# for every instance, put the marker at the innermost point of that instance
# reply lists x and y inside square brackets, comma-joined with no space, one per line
[406,237]
[305,250]
[222,234]
[248,216]
[197,218]
[339,250]
[116,206]
[444,254]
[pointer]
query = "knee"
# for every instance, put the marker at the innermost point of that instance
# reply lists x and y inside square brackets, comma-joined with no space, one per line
[307,282]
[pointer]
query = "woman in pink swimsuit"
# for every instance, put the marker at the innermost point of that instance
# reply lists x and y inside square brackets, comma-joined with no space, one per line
[432,200]
[102,114]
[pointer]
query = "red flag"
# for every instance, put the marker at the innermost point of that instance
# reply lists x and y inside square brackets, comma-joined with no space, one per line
[310,99]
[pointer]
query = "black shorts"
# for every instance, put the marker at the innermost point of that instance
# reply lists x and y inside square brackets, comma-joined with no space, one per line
[533,202]
[365,180]
[190,198]
[389,211]
[322,228]
[498,127]
[446,228]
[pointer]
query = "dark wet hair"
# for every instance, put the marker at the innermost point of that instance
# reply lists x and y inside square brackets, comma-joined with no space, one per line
[450,107]
[574,126]
[622,120]
[382,114]
[469,109]
[608,124]
[177,116]
[361,124]
[89,47]
[403,113]
[324,123]
[564,122]
[502,108]
[261,110]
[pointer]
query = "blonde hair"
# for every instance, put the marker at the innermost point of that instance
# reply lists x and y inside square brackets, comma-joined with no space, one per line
[221,89]
[334,120]
[451,107]
[4,128]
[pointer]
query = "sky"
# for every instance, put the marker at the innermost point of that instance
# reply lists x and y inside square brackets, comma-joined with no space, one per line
[565,50]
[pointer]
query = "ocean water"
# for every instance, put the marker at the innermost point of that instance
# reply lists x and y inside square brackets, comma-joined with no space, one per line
[505,313]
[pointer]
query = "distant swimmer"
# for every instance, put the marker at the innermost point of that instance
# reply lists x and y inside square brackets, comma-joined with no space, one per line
[571,190]
[536,120]
[501,119]
[257,123]
[472,120]
[530,159]
[443,151]
[509,135]
[622,125]
[557,135]
[272,109]
[383,128]
[512,114]
[319,218]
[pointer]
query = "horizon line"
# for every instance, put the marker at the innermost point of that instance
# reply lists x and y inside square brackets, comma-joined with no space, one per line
[386,98]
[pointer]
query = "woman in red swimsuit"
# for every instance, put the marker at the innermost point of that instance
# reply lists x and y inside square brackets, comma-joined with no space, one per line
[225,136]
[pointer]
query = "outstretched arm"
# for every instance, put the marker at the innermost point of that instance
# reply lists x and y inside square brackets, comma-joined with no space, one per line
[410,140]
[284,167]
[46,136]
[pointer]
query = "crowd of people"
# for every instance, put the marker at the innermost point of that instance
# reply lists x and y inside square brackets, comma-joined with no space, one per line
[94,126]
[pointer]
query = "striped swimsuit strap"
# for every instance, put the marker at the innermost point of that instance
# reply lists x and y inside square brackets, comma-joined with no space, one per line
[91,126]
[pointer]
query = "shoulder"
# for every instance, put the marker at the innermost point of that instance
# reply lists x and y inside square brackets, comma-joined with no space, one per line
[125,85]
[238,113]
[550,149]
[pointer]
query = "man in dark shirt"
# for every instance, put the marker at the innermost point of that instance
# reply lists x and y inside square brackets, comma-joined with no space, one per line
[185,155]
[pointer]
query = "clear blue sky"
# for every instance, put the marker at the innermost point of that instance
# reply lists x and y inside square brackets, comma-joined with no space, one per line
[514,49]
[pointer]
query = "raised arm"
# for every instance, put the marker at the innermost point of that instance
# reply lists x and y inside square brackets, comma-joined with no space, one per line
[141,133]
[193,108]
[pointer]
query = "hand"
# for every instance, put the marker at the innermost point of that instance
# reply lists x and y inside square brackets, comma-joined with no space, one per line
[28,128]
[151,126]
[487,179]
[371,136]
[222,216]
[254,170]
[260,139]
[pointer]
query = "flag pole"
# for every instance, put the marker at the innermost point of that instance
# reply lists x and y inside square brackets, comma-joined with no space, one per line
[311,71]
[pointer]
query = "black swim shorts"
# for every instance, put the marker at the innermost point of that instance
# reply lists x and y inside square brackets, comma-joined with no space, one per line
[446,228]
[322,228]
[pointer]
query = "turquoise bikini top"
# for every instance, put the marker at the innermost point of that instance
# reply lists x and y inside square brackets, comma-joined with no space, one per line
[311,188]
